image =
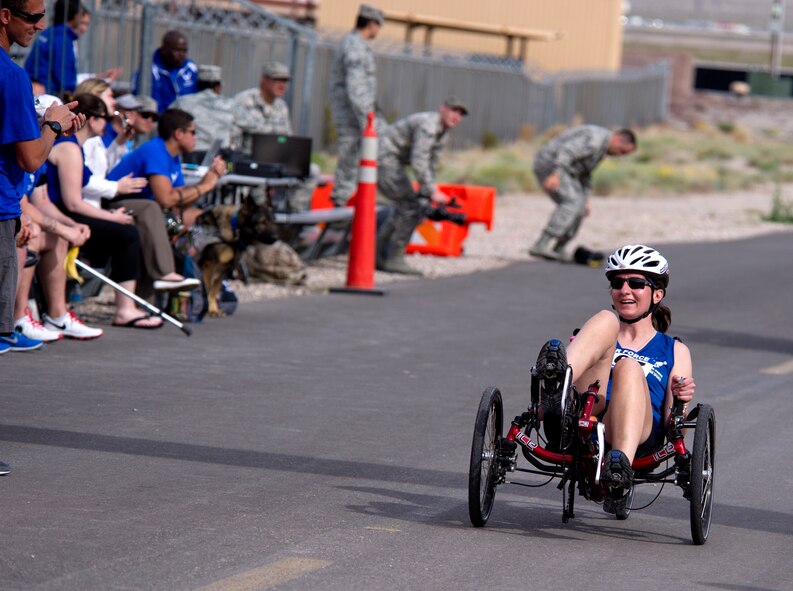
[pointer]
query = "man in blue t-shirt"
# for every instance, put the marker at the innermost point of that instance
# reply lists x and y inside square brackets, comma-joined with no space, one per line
[24,147]
[159,161]
[173,74]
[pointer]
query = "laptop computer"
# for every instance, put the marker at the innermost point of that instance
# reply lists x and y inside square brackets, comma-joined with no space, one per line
[291,152]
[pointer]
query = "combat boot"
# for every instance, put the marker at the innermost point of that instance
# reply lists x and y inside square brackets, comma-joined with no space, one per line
[542,248]
[396,263]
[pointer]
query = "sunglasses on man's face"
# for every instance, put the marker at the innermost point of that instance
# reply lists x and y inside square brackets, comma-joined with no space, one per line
[28,17]
[633,282]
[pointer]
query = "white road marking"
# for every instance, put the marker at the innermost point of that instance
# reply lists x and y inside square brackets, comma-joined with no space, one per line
[779,370]
[268,576]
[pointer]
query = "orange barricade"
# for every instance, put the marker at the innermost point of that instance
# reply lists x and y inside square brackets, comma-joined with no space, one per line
[446,238]
[437,238]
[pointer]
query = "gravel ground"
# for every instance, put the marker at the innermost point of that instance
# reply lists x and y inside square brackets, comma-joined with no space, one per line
[518,220]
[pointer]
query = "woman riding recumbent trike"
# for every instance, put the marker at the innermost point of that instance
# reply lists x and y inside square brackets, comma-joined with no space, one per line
[611,407]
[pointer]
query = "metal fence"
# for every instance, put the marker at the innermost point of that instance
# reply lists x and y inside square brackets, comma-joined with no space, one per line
[505,102]
[506,99]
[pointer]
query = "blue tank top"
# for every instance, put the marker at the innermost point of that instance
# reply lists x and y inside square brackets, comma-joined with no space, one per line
[656,359]
[54,181]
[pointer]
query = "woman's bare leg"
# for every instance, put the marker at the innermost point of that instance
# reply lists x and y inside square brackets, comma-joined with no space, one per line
[591,353]
[629,419]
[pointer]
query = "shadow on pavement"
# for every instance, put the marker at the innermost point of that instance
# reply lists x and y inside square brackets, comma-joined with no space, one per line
[228,457]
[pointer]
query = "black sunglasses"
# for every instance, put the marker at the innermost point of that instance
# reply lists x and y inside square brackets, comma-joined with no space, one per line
[633,282]
[29,17]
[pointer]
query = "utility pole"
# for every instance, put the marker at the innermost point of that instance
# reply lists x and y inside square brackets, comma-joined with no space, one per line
[776,26]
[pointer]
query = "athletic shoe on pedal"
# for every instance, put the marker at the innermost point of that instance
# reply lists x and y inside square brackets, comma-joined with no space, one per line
[620,507]
[617,475]
[550,370]
[72,327]
[19,342]
[33,329]
[4,469]
[4,347]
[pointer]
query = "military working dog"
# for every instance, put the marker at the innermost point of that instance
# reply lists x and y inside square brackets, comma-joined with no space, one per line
[229,230]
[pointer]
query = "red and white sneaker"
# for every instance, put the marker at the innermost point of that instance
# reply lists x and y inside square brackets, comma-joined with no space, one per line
[72,327]
[33,329]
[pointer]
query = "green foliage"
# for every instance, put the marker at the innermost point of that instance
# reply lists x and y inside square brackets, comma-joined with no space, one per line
[489,140]
[329,135]
[781,210]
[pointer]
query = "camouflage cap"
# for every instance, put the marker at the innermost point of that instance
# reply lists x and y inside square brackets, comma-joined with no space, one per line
[370,12]
[276,71]
[210,73]
[454,102]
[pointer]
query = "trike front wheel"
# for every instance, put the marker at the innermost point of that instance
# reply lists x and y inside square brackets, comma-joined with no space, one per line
[703,457]
[482,474]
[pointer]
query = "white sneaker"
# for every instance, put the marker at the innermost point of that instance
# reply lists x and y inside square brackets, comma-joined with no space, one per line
[72,327]
[33,329]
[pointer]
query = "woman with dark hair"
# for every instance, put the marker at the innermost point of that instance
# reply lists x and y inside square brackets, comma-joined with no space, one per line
[113,233]
[645,369]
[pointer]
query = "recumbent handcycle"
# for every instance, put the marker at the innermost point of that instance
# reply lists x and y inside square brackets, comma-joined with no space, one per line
[581,451]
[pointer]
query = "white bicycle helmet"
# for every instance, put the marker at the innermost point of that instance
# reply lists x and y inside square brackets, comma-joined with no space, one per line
[639,259]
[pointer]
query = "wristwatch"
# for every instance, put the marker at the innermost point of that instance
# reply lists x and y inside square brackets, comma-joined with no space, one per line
[55,126]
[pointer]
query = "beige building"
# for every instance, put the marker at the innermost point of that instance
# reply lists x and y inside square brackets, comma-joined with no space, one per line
[589,30]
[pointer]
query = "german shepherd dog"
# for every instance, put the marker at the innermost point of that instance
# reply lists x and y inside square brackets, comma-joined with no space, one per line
[233,229]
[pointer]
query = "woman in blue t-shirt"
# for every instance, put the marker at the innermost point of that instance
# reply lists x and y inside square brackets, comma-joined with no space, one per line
[644,369]
[113,233]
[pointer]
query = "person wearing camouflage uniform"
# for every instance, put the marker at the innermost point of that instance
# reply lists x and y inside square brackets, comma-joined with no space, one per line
[266,105]
[270,114]
[416,141]
[563,168]
[353,89]
[216,116]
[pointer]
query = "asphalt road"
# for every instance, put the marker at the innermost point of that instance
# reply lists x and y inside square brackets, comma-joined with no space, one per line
[323,442]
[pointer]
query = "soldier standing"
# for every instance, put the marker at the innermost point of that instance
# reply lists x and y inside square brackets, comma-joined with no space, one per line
[352,94]
[416,141]
[563,168]
[216,116]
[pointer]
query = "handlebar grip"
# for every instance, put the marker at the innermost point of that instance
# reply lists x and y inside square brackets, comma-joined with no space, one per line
[678,408]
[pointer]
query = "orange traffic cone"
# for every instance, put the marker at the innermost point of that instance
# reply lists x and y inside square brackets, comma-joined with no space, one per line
[360,265]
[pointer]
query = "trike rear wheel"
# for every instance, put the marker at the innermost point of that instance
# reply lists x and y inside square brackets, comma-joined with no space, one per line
[703,457]
[482,473]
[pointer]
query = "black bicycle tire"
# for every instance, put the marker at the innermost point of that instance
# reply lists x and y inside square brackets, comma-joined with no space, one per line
[703,456]
[481,494]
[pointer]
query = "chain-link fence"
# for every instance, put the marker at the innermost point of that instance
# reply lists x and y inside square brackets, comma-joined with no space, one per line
[507,100]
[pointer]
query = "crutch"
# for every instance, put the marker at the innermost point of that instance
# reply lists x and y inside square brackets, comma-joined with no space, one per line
[72,259]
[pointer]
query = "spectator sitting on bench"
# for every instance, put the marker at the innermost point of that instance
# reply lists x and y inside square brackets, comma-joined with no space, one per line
[53,234]
[158,259]
[113,234]
[159,161]
[138,116]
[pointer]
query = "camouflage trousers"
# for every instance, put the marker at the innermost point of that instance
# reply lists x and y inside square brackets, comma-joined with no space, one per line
[394,183]
[345,183]
[570,199]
